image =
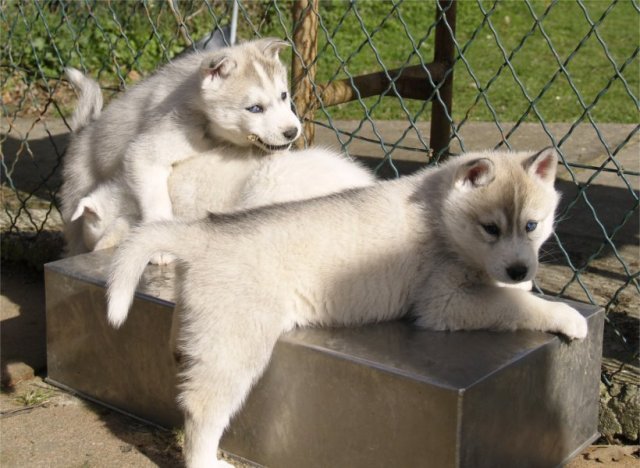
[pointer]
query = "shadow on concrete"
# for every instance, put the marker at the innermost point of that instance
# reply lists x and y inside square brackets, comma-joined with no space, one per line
[159,445]
[585,217]
[34,166]
[22,329]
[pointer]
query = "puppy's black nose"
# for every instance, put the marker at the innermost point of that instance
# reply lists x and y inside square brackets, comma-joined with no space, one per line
[290,133]
[517,272]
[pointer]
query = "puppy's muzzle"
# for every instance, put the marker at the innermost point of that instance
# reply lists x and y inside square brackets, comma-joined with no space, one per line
[290,134]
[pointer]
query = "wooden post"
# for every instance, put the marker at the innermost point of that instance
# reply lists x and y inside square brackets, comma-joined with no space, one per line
[410,82]
[303,69]
[444,54]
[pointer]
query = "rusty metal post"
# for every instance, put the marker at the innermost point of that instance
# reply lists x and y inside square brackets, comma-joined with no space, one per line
[444,54]
[303,69]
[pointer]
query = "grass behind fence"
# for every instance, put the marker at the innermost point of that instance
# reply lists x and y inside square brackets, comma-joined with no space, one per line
[504,28]
[131,39]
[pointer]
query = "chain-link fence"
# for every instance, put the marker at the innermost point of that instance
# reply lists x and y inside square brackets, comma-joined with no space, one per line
[376,78]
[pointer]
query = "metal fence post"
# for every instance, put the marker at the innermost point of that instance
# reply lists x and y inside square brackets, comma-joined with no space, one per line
[444,53]
[303,68]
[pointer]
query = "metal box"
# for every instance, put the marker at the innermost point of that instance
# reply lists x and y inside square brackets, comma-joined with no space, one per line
[375,396]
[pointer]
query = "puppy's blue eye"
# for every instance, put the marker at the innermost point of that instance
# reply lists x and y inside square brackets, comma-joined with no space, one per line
[255,109]
[531,226]
[491,229]
[283,96]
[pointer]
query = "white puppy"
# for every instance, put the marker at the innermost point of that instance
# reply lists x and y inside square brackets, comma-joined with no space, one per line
[235,97]
[436,244]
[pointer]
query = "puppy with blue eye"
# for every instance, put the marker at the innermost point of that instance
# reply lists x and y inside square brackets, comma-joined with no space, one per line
[439,245]
[235,98]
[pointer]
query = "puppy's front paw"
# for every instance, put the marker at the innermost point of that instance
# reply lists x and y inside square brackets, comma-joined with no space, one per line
[162,258]
[569,321]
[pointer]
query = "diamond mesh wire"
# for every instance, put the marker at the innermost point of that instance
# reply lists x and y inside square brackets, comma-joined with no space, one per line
[527,74]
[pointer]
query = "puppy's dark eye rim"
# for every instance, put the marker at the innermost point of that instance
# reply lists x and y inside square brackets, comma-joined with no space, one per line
[284,95]
[491,228]
[531,226]
[255,109]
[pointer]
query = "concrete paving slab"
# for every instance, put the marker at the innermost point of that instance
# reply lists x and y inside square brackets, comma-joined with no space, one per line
[44,427]
[583,144]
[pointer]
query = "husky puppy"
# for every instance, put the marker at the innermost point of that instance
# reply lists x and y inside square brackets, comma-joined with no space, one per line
[219,180]
[234,97]
[216,182]
[435,245]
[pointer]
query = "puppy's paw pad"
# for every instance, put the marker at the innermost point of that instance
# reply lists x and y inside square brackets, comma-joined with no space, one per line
[162,258]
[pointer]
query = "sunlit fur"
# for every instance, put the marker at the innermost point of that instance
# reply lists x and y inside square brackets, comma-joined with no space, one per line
[223,181]
[411,245]
[194,104]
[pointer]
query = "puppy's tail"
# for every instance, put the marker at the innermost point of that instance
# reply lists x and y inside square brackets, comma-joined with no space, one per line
[131,259]
[89,99]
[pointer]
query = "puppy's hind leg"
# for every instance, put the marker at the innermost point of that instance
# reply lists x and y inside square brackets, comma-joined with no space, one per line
[221,361]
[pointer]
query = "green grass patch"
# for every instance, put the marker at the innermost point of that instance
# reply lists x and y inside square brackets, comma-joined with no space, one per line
[511,58]
[35,397]
[549,60]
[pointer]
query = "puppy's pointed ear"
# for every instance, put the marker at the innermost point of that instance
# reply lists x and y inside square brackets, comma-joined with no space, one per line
[86,207]
[475,173]
[215,69]
[543,165]
[272,47]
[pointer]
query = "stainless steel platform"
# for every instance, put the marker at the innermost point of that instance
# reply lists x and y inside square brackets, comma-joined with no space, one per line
[376,396]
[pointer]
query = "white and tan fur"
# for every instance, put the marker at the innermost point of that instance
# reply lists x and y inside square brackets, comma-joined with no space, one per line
[222,182]
[418,245]
[219,180]
[236,97]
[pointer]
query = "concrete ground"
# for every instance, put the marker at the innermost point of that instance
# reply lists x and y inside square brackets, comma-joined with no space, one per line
[43,426]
